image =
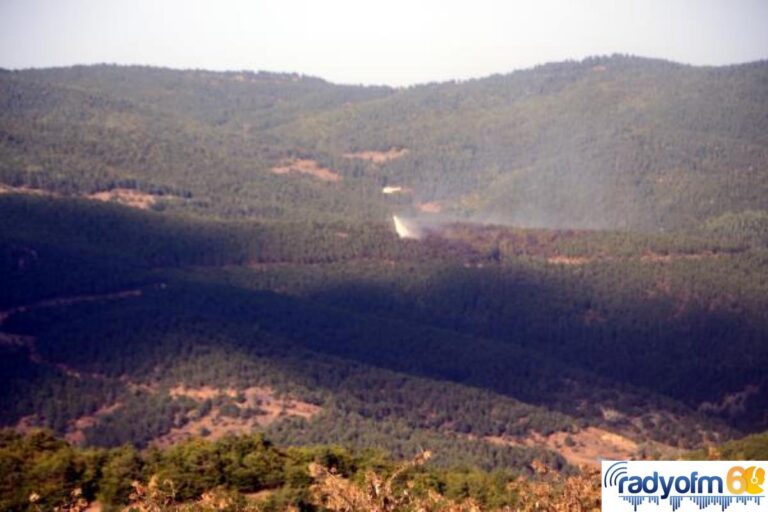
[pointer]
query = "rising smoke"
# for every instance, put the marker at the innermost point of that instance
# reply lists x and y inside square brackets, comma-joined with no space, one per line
[406,228]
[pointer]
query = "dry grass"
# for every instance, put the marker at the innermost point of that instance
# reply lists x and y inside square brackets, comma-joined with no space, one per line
[271,408]
[308,167]
[76,431]
[7,189]
[430,207]
[584,448]
[378,157]
[646,257]
[127,197]
[124,196]
[74,503]
[569,260]
[654,257]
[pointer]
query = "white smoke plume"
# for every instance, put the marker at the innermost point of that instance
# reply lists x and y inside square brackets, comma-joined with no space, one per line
[405,228]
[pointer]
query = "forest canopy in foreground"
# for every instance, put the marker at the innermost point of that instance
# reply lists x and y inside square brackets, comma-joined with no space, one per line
[250,473]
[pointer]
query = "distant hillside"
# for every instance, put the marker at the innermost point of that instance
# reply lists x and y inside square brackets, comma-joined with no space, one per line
[609,143]
[492,345]
[190,254]
[72,139]
[752,447]
[613,142]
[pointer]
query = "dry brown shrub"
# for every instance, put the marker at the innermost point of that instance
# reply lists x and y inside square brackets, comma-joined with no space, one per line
[159,496]
[379,494]
[74,502]
[549,491]
[553,492]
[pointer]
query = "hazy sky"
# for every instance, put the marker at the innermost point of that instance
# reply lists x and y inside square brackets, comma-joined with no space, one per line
[396,42]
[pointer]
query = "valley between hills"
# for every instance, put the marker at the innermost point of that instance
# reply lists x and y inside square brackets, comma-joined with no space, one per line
[198,262]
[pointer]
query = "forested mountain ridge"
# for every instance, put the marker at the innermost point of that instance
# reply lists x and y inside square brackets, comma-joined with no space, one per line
[618,142]
[70,140]
[610,142]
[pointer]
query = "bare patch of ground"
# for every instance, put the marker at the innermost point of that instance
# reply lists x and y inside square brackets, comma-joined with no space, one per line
[201,393]
[309,167]
[262,397]
[258,407]
[378,157]
[76,431]
[212,426]
[589,446]
[127,197]
[95,506]
[124,196]
[7,189]
[430,207]
[666,258]
[647,257]
[27,423]
[584,448]
[569,260]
